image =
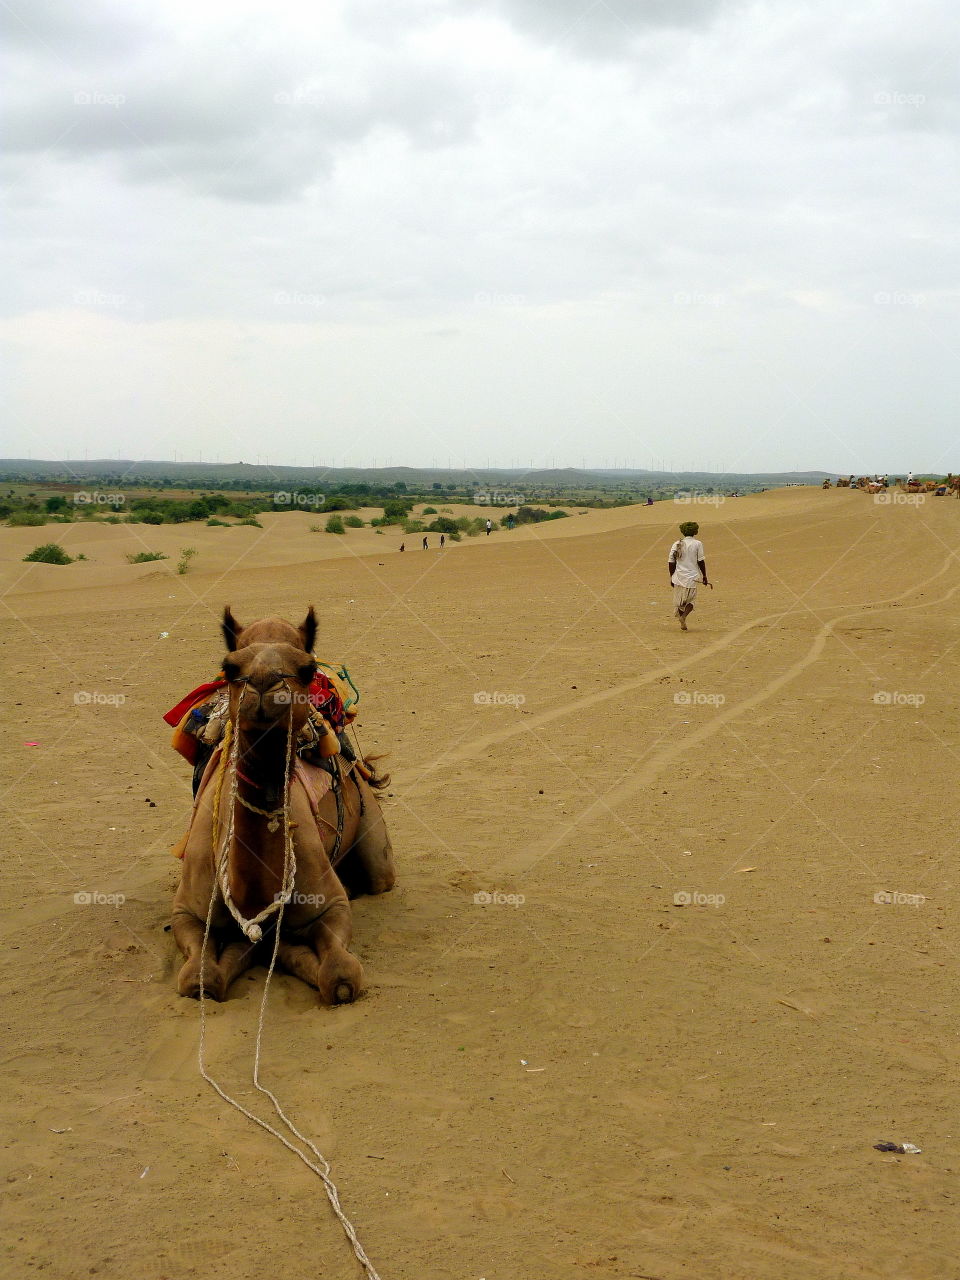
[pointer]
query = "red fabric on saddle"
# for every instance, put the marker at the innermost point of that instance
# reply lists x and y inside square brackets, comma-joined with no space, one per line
[323,695]
[176,714]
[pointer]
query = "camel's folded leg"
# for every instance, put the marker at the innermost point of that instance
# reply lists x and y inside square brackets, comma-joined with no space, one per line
[337,975]
[369,862]
[188,932]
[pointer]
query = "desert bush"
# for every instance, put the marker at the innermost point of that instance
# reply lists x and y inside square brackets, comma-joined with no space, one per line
[49,553]
[142,557]
[335,525]
[186,555]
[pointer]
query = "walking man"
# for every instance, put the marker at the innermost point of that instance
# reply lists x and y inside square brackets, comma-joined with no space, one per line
[687,571]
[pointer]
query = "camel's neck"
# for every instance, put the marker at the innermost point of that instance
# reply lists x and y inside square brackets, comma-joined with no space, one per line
[257,853]
[261,766]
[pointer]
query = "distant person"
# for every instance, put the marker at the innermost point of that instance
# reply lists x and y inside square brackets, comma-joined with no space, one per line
[402,547]
[649,502]
[687,571]
[511,520]
[910,477]
[426,545]
[489,526]
[443,541]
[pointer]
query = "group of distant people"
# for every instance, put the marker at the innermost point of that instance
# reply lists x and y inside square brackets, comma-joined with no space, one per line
[443,536]
[873,484]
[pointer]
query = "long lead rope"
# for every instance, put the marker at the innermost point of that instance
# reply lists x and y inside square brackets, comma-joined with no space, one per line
[320,1166]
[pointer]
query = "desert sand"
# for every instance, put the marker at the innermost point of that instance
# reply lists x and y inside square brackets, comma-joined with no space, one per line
[734,965]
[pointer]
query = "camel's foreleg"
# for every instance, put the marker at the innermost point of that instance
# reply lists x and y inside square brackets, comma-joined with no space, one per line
[336,974]
[188,931]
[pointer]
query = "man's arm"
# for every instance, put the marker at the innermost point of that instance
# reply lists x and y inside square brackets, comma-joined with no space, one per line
[702,566]
[672,568]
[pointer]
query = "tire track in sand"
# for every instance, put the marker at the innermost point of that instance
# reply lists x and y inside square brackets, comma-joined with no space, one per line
[648,772]
[479,744]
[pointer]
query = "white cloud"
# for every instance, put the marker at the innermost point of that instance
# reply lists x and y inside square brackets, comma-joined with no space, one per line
[456,224]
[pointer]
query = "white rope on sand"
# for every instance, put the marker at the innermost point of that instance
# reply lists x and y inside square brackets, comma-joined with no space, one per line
[319,1165]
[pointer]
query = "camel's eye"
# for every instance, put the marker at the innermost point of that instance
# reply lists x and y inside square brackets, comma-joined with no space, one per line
[231,670]
[306,673]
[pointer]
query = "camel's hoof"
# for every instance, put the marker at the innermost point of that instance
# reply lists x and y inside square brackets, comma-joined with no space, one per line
[189,986]
[343,993]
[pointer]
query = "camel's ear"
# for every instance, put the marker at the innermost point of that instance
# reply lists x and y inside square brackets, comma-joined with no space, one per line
[231,629]
[308,630]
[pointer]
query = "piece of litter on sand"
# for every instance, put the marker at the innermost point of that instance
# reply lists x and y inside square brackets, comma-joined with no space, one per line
[739,871]
[789,1004]
[900,1148]
[164,635]
[67,1130]
[31,744]
[145,1172]
[523,1062]
[531,1070]
[507,1176]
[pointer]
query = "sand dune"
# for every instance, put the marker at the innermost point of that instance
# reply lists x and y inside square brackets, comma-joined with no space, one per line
[598,1082]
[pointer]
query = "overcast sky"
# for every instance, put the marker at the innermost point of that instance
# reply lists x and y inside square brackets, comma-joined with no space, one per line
[686,232]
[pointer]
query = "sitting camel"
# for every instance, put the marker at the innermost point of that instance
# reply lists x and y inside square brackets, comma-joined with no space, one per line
[273,836]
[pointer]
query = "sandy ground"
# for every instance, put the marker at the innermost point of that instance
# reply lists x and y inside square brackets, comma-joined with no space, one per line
[597,1082]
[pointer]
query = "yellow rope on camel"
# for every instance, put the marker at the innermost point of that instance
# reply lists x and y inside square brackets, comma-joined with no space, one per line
[221,774]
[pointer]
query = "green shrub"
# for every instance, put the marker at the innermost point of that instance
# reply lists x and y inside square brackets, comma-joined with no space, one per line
[222,524]
[186,555]
[142,557]
[151,517]
[21,519]
[49,553]
[335,525]
[353,522]
[396,510]
[412,526]
[443,524]
[429,511]
[251,520]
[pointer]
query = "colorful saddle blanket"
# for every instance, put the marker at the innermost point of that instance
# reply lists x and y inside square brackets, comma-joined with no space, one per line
[200,715]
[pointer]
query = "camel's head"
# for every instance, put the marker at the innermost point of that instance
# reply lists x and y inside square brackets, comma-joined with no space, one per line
[269,668]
